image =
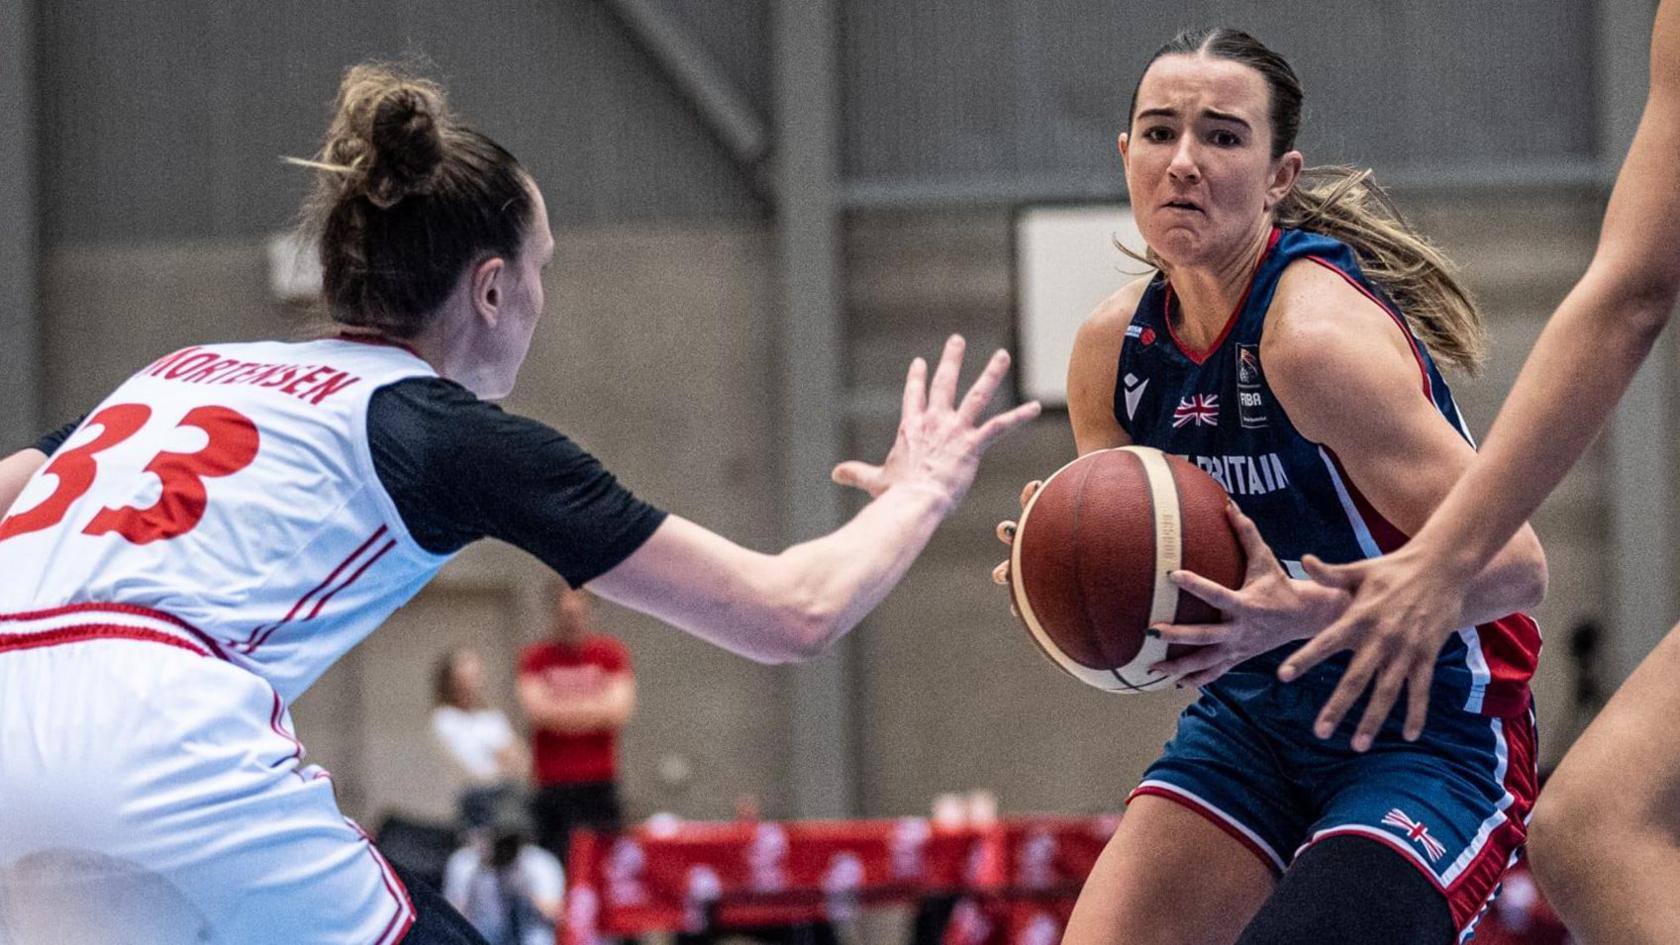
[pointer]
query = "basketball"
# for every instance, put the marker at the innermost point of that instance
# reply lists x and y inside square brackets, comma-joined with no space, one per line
[1092,551]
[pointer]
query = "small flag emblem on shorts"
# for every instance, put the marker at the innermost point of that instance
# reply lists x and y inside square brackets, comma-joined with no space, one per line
[1415,831]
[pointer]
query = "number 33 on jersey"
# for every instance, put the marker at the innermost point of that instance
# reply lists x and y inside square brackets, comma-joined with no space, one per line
[229,487]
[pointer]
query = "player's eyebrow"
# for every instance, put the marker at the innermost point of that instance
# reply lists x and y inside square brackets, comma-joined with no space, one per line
[1212,113]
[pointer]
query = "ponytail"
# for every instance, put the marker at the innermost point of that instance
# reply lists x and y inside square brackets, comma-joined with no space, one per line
[1346,204]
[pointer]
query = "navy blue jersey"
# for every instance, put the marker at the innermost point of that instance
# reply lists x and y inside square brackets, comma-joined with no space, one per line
[1216,409]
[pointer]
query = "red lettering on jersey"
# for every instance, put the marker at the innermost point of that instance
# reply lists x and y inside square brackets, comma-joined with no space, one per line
[311,377]
[280,378]
[313,383]
[205,373]
[76,469]
[178,510]
[190,363]
[329,387]
[157,367]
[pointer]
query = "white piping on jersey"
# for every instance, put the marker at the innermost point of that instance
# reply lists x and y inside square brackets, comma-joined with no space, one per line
[1361,533]
[261,635]
[1501,751]
[1475,661]
[1211,808]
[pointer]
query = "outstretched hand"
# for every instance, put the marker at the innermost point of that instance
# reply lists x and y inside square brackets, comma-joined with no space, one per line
[940,441]
[1402,612]
[1269,610]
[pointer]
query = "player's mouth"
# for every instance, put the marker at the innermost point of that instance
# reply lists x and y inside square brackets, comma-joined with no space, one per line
[1188,206]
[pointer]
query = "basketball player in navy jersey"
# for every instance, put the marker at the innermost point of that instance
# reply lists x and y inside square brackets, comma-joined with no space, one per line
[187,560]
[1288,347]
[1606,831]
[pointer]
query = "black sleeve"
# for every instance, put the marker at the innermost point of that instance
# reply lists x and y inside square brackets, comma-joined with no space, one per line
[50,442]
[460,469]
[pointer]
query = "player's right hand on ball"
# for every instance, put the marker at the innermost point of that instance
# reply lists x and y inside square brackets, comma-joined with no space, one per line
[1006,534]
[939,440]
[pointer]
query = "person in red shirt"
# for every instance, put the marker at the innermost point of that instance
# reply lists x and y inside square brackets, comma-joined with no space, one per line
[577,691]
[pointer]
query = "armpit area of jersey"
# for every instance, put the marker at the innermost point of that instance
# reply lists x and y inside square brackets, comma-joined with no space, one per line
[460,469]
[50,442]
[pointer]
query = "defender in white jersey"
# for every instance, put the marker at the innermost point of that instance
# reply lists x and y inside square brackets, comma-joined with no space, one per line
[184,561]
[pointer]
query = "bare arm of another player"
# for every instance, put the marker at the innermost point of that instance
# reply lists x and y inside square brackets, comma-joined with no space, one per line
[1574,377]
[791,606]
[1348,379]
[15,471]
[607,708]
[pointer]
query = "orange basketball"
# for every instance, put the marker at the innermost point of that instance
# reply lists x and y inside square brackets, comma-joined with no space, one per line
[1092,551]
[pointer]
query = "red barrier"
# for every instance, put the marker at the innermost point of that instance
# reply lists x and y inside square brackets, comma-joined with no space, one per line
[1019,876]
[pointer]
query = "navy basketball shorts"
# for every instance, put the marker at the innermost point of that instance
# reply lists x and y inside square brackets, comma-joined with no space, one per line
[1455,803]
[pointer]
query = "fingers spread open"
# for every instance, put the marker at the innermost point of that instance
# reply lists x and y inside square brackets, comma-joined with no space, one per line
[1006,421]
[1000,574]
[1260,557]
[915,390]
[1330,641]
[859,475]
[980,395]
[1383,694]
[1202,657]
[1345,576]
[1029,490]
[1006,532]
[1196,633]
[1217,596]
[1347,692]
[1417,698]
[942,394]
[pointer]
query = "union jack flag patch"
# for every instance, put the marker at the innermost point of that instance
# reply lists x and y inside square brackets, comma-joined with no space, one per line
[1415,831]
[1200,409]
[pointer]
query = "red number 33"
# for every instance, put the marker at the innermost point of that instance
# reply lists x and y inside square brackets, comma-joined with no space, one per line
[178,510]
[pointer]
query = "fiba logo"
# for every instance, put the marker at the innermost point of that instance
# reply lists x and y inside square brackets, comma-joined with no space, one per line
[767,858]
[1036,860]
[624,874]
[1251,403]
[905,849]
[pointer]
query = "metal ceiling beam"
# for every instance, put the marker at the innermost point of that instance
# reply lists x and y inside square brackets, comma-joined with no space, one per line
[700,80]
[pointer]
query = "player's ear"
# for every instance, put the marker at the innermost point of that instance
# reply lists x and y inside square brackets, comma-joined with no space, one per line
[487,289]
[1285,171]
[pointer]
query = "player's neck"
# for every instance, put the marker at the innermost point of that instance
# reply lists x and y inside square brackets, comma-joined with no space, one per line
[1208,293]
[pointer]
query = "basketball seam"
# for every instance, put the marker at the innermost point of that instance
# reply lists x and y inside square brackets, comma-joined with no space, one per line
[1030,618]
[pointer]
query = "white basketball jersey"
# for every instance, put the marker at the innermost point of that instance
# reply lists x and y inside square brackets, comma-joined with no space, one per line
[230,487]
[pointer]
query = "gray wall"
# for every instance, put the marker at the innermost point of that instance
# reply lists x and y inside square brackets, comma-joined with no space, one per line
[951,88]
[165,121]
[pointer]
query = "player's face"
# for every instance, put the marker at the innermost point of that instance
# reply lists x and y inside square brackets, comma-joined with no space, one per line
[1198,159]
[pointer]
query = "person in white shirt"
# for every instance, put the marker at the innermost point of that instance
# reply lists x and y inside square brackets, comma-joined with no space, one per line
[475,737]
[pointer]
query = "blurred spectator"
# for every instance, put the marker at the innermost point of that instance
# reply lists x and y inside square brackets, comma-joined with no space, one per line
[577,691]
[507,887]
[475,738]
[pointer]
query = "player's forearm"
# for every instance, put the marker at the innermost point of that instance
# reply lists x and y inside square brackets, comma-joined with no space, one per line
[1515,580]
[15,471]
[842,576]
[1557,407]
[576,719]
